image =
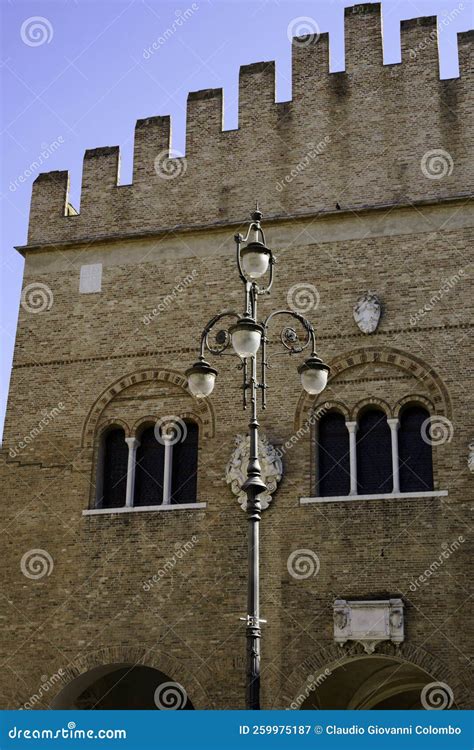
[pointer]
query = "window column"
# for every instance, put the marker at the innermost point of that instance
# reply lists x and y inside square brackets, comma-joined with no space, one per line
[133,444]
[394,424]
[168,440]
[352,427]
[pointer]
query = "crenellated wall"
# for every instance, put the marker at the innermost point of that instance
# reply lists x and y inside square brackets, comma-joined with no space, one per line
[352,138]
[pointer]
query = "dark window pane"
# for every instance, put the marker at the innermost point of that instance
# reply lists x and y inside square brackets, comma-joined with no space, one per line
[374,454]
[185,464]
[149,470]
[333,456]
[416,464]
[115,469]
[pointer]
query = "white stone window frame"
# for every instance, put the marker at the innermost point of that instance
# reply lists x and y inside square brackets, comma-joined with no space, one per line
[133,444]
[352,426]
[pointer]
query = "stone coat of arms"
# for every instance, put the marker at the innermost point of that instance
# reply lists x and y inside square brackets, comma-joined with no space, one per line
[236,471]
[367,311]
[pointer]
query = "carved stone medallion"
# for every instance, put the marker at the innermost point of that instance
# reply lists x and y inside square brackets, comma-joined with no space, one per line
[236,470]
[367,311]
[470,457]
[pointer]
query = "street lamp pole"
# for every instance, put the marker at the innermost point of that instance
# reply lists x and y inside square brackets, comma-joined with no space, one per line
[249,337]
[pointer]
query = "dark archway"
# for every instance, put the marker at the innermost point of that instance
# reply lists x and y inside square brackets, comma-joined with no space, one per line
[369,682]
[123,687]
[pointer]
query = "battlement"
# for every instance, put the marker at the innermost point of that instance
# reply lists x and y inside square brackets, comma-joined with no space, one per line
[355,138]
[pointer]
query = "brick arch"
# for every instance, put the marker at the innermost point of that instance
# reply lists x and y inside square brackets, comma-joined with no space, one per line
[415,400]
[409,363]
[102,427]
[152,419]
[334,656]
[370,401]
[334,405]
[203,408]
[174,668]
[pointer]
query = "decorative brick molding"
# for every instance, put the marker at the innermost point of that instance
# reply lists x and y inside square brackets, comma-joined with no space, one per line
[370,401]
[204,412]
[134,656]
[330,658]
[439,401]
[414,398]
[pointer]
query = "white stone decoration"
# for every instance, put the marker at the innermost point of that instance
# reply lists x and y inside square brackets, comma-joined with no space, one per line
[367,311]
[90,280]
[368,623]
[236,470]
[470,458]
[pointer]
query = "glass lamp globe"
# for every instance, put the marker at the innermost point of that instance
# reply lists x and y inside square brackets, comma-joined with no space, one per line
[255,259]
[201,379]
[314,375]
[246,337]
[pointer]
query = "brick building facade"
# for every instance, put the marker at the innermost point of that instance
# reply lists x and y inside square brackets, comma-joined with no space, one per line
[364,178]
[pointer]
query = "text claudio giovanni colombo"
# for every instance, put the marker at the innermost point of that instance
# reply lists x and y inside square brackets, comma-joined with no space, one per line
[354,729]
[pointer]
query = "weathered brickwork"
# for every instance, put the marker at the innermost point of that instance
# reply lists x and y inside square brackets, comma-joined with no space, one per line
[118,356]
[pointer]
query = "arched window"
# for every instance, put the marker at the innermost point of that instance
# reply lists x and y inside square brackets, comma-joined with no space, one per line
[416,462]
[114,469]
[374,454]
[149,472]
[184,466]
[333,455]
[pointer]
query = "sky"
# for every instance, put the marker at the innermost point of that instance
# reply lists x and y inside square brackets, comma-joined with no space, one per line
[77,74]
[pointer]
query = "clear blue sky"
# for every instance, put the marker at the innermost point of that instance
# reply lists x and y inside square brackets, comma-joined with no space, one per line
[91,78]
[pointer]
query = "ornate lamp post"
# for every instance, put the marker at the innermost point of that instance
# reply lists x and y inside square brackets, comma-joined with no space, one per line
[248,337]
